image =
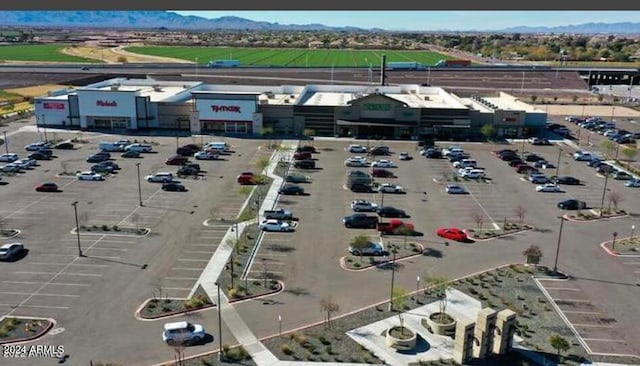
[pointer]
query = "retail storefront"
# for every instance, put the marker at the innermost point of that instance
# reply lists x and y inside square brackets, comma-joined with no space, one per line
[226,113]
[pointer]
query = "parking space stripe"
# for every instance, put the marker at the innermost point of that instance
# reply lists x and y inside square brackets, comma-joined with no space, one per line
[582,312]
[604,340]
[563,289]
[36,294]
[593,326]
[177,288]
[42,307]
[186,269]
[81,274]
[181,278]
[193,260]
[571,300]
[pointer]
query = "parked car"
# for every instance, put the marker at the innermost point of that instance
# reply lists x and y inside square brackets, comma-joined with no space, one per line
[503,151]
[97,158]
[246,178]
[538,178]
[389,211]
[582,156]
[305,164]
[452,233]
[308,148]
[37,146]
[89,176]
[47,187]
[356,161]
[130,154]
[187,150]
[297,178]
[549,187]
[206,155]
[291,189]
[39,156]
[360,221]
[363,206]
[276,225]
[572,204]
[177,160]
[187,170]
[160,177]
[183,332]
[432,153]
[473,174]
[405,156]
[452,149]
[533,158]
[174,187]
[465,163]
[567,180]
[384,164]
[279,214]
[64,146]
[382,173]
[393,226]
[526,169]
[112,164]
[10,251]
[25,163]
[8,158]
[358,149]
[97,168]
[374,248]
[605,168]
[302,155]
[361,188]
[143,148]
[455,189]
[633,183]
[380,150]
[10,168]
[621,175]
[391,188]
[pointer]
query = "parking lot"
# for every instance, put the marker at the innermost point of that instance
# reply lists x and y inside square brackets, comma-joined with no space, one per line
[308,259]
[119,270]
[51,280]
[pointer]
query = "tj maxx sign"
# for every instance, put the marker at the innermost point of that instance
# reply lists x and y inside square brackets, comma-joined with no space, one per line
[226,108]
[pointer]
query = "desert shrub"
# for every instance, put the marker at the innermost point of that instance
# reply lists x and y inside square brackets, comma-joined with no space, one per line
[286,349]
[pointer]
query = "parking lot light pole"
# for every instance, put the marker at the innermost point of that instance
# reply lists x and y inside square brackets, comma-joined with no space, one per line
[279,326]
[604,191]
[75,210]
[558,163]
[139,186]
[393,273]
[555,264]
[6,143]
[219,324]
[613,243]
[417,287]
[633,227]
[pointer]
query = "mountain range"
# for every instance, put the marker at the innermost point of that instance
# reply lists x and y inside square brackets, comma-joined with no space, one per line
[174,21]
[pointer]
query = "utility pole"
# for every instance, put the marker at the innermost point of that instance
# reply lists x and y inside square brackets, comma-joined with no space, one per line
[219,324]
[44,126]
[196,66]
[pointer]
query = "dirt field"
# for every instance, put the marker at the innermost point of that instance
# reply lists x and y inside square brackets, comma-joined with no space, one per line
[591,110]
[114,55]
[36,91]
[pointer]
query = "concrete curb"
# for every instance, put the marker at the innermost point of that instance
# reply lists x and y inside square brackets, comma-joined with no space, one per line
[372,266]
[615,253]
[566,217]
[41,334]
[108,233]
[466,231]
[17,232]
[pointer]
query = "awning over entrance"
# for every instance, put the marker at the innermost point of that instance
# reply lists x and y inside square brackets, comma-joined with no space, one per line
[342,122]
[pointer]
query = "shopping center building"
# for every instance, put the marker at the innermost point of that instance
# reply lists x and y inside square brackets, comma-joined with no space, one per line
[400,112]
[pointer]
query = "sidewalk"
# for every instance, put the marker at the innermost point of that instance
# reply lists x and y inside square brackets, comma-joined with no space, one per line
[259,353]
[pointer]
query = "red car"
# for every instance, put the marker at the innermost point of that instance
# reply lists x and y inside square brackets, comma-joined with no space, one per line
[177,160]
[47,187]
[302,155]
[246,178]
[452,233]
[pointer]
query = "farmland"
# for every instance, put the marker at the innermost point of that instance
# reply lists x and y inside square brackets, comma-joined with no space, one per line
[290,57]
[40,52]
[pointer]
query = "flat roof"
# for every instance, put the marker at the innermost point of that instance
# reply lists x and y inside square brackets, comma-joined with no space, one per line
[324,98]
[415,100]
[475,105]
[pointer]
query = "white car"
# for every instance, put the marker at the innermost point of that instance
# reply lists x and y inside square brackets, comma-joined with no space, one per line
[9,158]
[8,251]
[26,162]
[143,148]
[384,164]
[452,149]
[37,146]
[549,187]
[10,168]
[363,206]
[390,188]
[180,332]
[455,189]
[404,156]
[582,156]
[160,177]
[275,225]
[358,149]
[473,174]
[89,176]
[205,155]
[356,161]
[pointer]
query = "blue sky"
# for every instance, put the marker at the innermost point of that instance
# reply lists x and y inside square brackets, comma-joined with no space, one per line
[430,20]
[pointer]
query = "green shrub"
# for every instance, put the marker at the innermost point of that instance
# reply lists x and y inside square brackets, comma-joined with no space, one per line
[105,227]
[115,228]
[286,349]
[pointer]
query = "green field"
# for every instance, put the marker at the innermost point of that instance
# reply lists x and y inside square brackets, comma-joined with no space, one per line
[38,52]
[290,57]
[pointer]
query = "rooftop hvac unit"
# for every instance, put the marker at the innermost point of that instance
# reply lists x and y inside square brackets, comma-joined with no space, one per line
[286,101]
[426,98]
[115,86]
[264,101]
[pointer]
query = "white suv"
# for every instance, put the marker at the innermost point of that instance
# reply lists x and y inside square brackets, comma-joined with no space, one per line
[180,332]
[160,177]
